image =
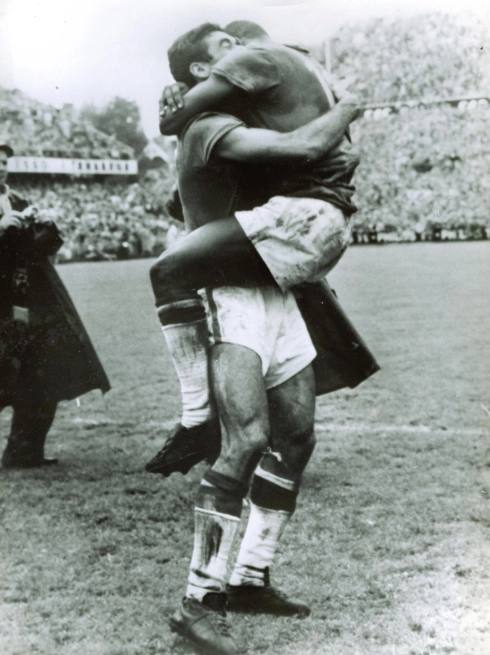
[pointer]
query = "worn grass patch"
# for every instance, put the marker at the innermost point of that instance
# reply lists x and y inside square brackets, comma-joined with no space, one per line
[390,543]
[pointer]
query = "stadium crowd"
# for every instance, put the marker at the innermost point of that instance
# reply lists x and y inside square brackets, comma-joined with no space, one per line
[414,183]
[413,58]
[105,220]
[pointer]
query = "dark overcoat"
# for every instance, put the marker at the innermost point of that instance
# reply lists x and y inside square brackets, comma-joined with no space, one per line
[51,349]
[343,358]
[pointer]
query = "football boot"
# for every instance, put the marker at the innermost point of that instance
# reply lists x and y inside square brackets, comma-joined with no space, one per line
[264,600]
[186,447]
[205,625]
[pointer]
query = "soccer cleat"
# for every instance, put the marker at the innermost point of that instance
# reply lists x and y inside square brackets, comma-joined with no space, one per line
[186,447]
[205,625]
[264,600]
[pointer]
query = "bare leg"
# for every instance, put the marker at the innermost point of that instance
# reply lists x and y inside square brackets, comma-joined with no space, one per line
[291,414]
[241,399]
[216,254]
[273,498]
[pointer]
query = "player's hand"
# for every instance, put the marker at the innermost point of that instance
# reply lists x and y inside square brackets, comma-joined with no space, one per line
[351,100]
[340,86]
[173,97]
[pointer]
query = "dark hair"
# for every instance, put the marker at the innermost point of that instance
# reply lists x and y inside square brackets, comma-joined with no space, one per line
[187,49]
[245,29]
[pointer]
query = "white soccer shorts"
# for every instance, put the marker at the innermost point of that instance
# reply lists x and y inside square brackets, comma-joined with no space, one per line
[299,239]
[266,321]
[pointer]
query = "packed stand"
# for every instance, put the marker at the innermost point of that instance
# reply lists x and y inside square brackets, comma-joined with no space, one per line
[99,219]
[423,57]
[424,171]
[106,221]
[415,183]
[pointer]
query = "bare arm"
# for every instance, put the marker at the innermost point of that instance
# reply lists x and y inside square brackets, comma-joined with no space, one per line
[307,143]
[205,96]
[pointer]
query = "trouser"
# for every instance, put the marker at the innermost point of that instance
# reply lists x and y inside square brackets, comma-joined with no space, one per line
[32,418]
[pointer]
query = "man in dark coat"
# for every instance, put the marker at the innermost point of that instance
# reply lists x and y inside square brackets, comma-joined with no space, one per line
[45,352]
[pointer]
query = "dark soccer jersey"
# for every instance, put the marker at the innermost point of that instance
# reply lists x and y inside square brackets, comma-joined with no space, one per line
[284,92]
[210,187]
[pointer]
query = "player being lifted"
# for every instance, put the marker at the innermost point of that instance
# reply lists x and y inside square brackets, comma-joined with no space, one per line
[297,234]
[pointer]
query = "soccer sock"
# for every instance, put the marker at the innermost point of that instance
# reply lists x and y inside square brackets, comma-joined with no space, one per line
[217,517]
[185,330]
[273,501]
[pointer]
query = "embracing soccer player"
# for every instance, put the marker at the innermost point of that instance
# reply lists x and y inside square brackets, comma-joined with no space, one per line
[299,228]
[260,360]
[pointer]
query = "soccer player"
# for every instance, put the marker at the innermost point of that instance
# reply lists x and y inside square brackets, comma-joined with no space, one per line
[299,235]
[261,378]
[264,387]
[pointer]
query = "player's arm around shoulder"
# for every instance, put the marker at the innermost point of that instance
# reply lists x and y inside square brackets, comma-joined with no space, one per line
[308,143]
[245,144]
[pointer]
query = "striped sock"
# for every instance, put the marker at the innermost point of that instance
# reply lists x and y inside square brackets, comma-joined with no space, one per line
[273,501]
[185,330]
[217,517]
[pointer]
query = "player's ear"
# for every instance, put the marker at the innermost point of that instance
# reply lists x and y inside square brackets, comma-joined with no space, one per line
[200,70]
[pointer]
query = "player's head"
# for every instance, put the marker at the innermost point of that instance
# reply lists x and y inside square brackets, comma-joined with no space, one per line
[5,152]
[247,31]
[193,54]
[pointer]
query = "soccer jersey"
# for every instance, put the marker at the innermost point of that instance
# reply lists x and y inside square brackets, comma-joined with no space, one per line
[211,187]
[284,91]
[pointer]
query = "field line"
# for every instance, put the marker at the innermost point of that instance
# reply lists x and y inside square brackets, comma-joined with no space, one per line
[319,425]
[392,427]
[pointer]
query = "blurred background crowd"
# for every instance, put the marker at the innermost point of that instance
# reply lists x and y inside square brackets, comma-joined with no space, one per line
[424,171]
[106,220]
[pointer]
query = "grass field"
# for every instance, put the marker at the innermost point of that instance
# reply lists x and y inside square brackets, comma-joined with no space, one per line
[391,540]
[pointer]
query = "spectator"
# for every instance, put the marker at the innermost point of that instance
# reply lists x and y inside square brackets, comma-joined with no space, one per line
[45,354]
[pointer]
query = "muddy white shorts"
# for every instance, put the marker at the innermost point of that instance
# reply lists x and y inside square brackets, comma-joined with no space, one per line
[299,239]
[266,321]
